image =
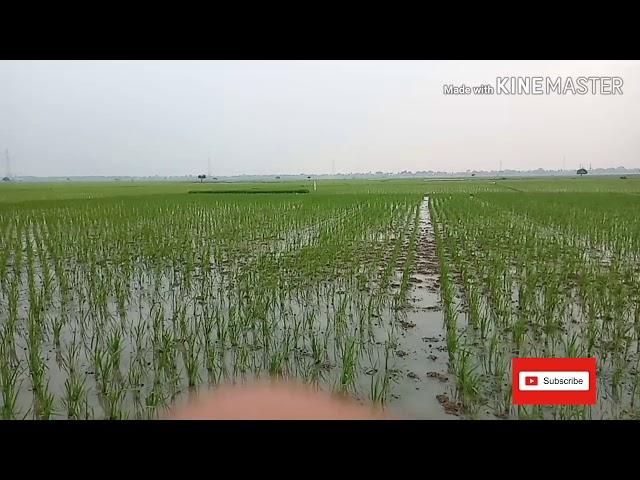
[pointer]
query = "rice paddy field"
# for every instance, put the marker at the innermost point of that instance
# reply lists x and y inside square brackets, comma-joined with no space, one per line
[118,300]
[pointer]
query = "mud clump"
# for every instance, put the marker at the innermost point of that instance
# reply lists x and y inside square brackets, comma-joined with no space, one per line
[439,376]
[450,407]
[430,339]
[406,324]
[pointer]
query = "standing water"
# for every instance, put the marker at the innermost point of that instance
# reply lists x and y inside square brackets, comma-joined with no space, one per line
[422,353]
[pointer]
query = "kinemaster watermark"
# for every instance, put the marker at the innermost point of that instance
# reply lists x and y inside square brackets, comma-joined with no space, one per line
[541,86]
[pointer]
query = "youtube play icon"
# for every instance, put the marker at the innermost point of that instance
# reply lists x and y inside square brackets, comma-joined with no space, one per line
[531,380]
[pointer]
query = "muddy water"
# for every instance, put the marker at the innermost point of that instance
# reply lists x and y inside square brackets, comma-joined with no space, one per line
[612,402]
[418,361]
[422,355]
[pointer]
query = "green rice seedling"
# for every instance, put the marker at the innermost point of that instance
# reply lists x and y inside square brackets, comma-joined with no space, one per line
[114,347]
[349,365]
[519,330]
[45,403]
[401,296]
[319,350]
[156,399]
[138,333]
[592,335]
[379,387]
[453,340]
[490,359]
[104,369]
[211,359]
[113,401]
[277,364]
[37,371]
[484,323]
[572,346]
[380,384]
[636,381]
[636,322]
[75,397]
[570,413]
[14,298]
[10,382]
[192,363]
[502,387]
[58,325]
[244,359]
[69,359]
[135,376]
[474,305]
[619,365]
[467,381]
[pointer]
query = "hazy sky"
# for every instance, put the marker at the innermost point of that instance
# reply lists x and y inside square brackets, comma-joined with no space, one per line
[60,118]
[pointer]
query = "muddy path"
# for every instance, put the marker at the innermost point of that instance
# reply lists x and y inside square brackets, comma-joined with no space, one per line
[427,389]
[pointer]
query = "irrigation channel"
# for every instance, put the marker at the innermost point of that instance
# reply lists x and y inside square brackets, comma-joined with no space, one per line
[429,390]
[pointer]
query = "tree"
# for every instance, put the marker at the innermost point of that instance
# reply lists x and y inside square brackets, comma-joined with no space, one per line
[581,171]
[201,177]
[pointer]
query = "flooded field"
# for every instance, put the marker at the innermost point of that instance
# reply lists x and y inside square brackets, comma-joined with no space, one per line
[533,274]
[118,301]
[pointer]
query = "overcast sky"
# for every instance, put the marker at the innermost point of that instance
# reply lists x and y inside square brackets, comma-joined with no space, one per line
[63,118]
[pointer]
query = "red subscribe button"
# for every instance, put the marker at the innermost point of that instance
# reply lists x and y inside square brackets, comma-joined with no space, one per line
[554,381]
